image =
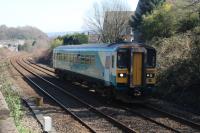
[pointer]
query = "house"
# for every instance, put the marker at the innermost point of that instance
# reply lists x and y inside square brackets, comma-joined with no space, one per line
[11,44]
[116,25]
[93,37]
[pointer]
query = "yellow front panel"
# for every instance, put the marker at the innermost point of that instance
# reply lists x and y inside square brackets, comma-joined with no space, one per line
[137,69]
[122,79]
[153,79]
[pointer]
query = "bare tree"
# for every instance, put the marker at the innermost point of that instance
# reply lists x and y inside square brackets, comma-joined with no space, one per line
[109,20]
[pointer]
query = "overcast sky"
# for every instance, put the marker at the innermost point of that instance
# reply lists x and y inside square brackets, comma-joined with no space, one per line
[48,15]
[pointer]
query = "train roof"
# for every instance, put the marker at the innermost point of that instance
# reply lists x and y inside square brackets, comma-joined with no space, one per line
[97,47]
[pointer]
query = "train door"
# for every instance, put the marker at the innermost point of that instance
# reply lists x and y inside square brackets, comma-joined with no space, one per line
[136,78]
[107,69]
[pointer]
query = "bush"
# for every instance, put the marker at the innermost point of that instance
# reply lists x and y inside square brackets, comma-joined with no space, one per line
[56,43]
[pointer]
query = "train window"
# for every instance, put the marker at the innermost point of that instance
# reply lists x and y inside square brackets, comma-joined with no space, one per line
[68,57]
[82,59]
[92,59]
[123,58]
[61,56]
[87,59]
[65,57]
[113,61]
[58,56]
[151,58]
[74,58]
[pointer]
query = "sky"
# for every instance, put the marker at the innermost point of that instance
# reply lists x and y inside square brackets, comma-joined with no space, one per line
[48,15]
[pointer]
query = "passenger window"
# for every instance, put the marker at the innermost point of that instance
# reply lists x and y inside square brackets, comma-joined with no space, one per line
[92,59]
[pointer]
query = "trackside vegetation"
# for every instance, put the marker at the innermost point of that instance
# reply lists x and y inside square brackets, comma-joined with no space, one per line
[12,98]
[70,39]
[173,28]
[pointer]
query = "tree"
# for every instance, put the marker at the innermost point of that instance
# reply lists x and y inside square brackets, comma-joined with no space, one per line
[56,42]
[160,23]
[144,7]
[109,19]
[75,39]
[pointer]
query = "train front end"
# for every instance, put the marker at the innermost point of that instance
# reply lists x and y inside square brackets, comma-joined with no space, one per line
[136,70]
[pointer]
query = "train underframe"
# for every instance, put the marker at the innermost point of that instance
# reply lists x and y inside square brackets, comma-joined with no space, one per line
[122,93]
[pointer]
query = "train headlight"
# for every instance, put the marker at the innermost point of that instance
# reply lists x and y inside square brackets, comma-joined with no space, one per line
[150,75]
[122,75]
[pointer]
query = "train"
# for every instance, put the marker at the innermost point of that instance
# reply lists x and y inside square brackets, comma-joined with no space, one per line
[117,69]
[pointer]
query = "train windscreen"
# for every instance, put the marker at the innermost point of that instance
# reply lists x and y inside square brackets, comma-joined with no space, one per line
[151,58]
[123,58]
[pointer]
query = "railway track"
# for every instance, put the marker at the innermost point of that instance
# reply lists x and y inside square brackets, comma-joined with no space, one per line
[86,114]
[127,109]
[173,116]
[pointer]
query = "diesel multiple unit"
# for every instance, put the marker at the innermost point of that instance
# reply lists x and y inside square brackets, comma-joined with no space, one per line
[127,68]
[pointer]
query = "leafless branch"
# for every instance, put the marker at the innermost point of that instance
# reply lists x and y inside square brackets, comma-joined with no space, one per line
[109,19]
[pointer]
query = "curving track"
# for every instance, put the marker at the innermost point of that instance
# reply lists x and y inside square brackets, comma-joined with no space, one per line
[114,119]
[86,114]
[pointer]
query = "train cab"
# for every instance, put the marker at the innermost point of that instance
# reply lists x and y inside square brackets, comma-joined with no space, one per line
[136,68]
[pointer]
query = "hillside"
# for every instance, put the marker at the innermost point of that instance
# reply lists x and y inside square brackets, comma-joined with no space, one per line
[25,33]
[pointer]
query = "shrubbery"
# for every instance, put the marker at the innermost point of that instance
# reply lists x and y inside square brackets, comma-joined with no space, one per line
[174,30]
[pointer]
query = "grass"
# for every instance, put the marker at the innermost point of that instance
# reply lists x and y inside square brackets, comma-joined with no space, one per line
[12,98]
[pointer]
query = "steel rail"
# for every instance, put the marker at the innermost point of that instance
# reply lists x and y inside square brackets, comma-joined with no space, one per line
[54,99]
[173,116]
[38,67]
[109,118]
[149,119]
[41,66]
